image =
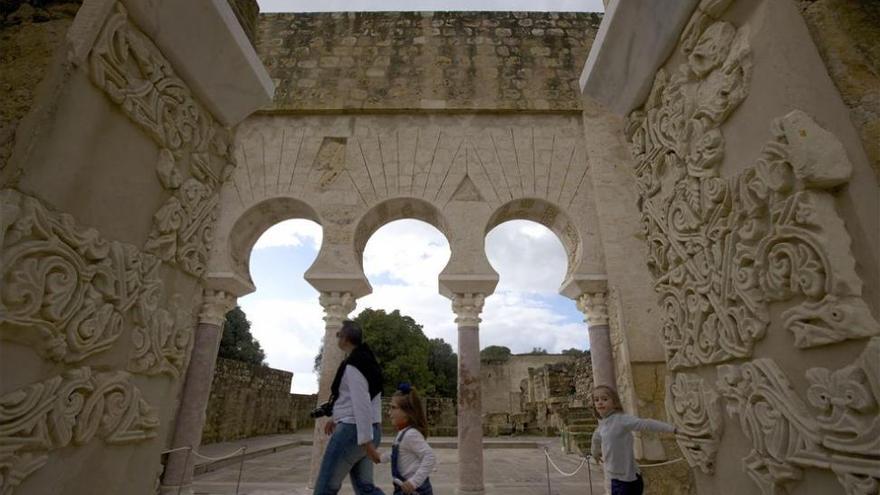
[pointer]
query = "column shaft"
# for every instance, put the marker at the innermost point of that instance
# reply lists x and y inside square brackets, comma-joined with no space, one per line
[467,308]
[196,390]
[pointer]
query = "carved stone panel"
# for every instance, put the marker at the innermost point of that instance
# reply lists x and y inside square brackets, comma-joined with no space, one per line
[723,249]
[194,156]
[837,428]
[70,409]
[69,294]
[694,407]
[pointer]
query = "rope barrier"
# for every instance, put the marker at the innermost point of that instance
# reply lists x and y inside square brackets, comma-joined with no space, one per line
[227,456]
[560,471]
[671,461]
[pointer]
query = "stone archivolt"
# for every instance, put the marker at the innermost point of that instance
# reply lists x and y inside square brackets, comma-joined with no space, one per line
[69,293]
[194,158]
[838,429]
[69,409]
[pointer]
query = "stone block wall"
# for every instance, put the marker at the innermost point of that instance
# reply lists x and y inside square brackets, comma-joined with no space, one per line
[426,60]
[249,400]
[441,412]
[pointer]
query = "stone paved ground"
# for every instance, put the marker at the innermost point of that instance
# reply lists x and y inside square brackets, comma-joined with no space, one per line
[508,471]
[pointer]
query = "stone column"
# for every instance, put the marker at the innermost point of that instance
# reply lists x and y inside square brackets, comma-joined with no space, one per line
[595,308]
[337,306]
[467,308]
[196,391]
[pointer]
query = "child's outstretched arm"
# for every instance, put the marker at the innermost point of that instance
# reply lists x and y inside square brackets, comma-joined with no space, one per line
[645,424]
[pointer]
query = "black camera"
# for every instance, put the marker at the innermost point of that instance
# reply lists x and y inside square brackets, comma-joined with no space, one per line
[325,409]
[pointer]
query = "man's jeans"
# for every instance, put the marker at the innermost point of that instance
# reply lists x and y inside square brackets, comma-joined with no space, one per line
[344,456]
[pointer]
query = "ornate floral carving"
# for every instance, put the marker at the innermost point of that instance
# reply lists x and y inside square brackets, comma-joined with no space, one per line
[839,429]
[467,309]
[594,306]
[194,158]
[722,250]
[693,407]
[69,293]
[215,305]
[70,409]
[337,306]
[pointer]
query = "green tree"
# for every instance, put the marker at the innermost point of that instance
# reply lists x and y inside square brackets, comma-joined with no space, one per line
[497,353]
[537,351]
[575,352]
[406,354]
[400,347]
[443,363]
[237,342]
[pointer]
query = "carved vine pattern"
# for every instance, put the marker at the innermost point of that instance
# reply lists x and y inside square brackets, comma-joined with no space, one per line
[68,293]
[195,155]
[837,428]
[694,407]
[69,409]
[723,250]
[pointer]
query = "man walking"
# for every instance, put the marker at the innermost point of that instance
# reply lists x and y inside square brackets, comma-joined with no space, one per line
[356,399]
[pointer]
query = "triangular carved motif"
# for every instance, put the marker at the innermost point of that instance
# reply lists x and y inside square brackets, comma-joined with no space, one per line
[467,191]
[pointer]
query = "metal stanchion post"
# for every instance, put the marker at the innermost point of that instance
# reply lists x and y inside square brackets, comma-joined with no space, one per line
[590,474]
[240,468]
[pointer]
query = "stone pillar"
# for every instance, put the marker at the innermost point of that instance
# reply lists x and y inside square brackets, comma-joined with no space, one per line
[177,477]
[337,306]
[595,308]
[467,308]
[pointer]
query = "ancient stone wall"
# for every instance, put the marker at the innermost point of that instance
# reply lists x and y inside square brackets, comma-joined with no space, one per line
[29,36]
[249,400]
[847,34]
[500,381]
[426,60]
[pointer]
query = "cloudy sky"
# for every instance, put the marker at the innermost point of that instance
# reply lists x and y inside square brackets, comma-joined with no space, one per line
[402,261]
[435,5]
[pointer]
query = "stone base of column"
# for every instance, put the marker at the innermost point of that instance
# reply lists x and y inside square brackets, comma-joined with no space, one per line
[471,490]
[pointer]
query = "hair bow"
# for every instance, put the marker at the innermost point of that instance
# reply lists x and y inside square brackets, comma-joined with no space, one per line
[404,387]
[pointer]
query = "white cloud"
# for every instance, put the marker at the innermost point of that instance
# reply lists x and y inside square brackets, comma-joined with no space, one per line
[293,233]
[527,256]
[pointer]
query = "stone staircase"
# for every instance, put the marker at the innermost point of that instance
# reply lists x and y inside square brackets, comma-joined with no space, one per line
[577,430]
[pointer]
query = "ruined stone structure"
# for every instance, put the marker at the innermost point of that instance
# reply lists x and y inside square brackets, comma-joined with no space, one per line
[249,400]
[712,176]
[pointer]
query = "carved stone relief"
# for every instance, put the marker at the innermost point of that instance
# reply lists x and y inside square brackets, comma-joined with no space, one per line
[194,158]
[694,407]
[725,250]
[467,309]
[722,250]
[70,409]
[68,293]
[838,428]
[330,160]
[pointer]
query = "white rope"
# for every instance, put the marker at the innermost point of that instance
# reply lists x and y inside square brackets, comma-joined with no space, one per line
[563,473]
[672,461]
[227,456]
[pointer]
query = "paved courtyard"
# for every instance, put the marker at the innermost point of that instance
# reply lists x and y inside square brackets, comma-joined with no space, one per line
[511,468]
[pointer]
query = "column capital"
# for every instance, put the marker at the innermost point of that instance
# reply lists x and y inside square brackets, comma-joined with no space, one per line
[337,306]
[215,305]
[594,305]
[467,308]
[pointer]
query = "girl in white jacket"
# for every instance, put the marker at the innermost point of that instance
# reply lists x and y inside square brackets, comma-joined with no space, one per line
[412,459]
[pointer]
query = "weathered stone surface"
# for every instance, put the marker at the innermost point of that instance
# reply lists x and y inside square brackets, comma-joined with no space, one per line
[249,400]
[426,60]
[847,34]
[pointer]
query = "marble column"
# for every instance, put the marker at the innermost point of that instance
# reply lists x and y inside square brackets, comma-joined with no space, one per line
[337,306]
[595,307]
[467,308]
[190,421]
